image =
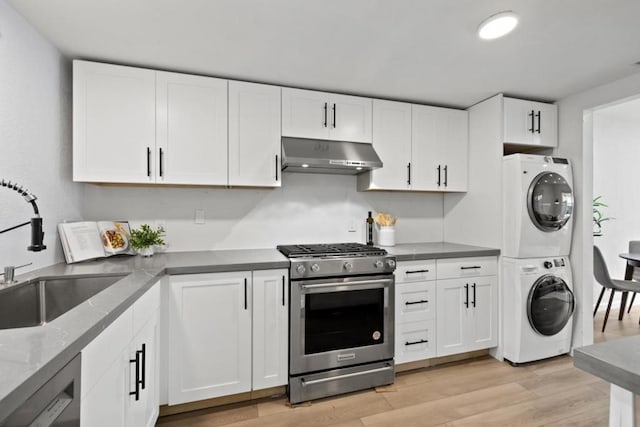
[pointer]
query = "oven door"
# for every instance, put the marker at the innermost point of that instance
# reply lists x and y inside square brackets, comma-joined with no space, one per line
[340,322]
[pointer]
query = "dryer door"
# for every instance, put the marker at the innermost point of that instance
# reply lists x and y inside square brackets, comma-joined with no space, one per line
[549,201]
[550,305]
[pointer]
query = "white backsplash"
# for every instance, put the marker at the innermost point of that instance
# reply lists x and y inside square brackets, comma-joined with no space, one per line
[308,208]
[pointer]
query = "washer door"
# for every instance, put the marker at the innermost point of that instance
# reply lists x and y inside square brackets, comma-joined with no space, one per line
[549,201]
[550,305]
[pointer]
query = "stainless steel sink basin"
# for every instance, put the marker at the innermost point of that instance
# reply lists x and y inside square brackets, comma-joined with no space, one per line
[37,301]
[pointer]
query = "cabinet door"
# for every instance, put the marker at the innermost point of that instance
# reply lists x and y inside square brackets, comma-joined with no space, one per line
[305,114]
[452,316]
[144,410]
[350,118]
[530,123]
[113,123]
[415,341]
[209,336]
[455,130]
[392,142]
[483,328]
[254,135]
[191,129]
[106,404]
[427,149]
[270,328]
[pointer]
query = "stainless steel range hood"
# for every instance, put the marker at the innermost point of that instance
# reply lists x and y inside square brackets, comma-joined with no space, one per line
[322,156]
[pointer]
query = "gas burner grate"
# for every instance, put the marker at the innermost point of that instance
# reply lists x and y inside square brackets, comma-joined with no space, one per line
[330,249]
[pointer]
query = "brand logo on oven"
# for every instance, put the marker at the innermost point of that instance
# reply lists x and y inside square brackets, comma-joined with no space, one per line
[376,335]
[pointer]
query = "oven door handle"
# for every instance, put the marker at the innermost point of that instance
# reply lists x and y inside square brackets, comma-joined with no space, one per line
[336,284]
[340,377]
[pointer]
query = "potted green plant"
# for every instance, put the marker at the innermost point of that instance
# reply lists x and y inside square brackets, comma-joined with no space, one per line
[598,217]
[143,239]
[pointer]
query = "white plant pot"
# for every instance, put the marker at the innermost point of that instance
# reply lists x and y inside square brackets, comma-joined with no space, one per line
[387,236]
[146,252]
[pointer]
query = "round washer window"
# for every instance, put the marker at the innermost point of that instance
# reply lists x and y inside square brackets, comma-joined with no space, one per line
[550,305]
[550,201]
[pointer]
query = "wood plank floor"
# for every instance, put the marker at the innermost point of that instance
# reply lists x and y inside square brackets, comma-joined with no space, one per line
[480,392]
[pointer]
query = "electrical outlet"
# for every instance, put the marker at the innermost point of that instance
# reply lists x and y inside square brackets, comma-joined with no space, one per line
[199,216]
[352,226]
[161,223]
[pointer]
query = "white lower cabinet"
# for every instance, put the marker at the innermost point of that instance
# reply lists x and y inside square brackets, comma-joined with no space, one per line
[120,369]
[227,333]
[467,314]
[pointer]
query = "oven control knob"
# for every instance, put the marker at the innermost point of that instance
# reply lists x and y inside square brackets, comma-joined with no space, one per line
[379,264]
[391,263]
[300,269]
[315,268]
[348,266]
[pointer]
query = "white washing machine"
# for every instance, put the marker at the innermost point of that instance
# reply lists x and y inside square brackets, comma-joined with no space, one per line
[538,307]
[538,206]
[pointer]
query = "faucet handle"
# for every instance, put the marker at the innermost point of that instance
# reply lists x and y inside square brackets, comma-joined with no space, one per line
[9,273]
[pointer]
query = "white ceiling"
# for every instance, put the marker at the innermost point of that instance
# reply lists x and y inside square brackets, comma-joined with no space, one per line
[418,50]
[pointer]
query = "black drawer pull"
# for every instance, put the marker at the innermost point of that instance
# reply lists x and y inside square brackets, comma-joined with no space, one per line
[474,294]
[422,301]
[283,303]
[470,267]
[416,271]
[136,393]
[416,342]
[466,290]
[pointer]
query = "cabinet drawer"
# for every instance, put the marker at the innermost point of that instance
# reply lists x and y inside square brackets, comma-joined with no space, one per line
[145,307]
[415,301]
[415,271]
[415,341]
[467,267]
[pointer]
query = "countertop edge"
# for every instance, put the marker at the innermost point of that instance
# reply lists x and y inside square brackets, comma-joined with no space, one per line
[443,255]
[607,371]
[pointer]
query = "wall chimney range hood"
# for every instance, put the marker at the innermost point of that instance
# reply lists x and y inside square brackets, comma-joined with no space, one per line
[324,156]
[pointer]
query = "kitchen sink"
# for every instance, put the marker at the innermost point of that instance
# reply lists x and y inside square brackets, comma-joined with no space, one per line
[39,301]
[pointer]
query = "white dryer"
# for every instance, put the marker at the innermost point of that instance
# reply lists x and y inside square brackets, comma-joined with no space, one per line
[538,206]
[538,306]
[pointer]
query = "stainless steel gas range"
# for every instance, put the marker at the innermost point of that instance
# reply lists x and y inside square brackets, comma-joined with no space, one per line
[341,319]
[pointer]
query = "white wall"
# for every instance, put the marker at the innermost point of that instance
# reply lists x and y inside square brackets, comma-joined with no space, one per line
[616,150]
[309,208]
[35,139]
[575,142]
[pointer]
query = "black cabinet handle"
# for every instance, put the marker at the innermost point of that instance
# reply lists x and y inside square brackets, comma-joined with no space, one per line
[161,161]
[283,291]
[416,271]
[148,161]
[334,115]
[446,176]
[422,301]
[325,115]
[438,175]
[474,294]
[142,364]
[245,293]
[276,167]
[531,114]
[471,267]
[136,393]
[538,116]
[409,173]
[416,342]
[466,301]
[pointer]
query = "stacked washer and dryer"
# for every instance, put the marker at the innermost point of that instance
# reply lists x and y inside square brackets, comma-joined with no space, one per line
[538,302]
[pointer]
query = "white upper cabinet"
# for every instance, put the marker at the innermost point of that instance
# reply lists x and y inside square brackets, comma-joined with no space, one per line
[320,115]
[254,135]
[191,129]
[530,123]
[114,131]
[392,142]
[439,149]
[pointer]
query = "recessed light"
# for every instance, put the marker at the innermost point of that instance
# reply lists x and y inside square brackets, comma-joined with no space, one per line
[498,25]
[359,168]
[304,165]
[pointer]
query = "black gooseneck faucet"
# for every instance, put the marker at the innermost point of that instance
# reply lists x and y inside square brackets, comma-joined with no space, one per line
[37,235]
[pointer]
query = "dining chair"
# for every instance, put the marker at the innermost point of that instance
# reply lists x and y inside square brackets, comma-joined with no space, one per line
[601,273]
[634,247]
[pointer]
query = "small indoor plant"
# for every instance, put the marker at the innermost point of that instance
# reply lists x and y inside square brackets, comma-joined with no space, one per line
[143,239]
[598,218]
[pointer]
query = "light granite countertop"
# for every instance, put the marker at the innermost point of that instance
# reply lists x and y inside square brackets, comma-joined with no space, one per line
[616,361]
[29,356]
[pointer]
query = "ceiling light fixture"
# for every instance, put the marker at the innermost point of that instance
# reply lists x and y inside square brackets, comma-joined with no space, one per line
[497,25]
